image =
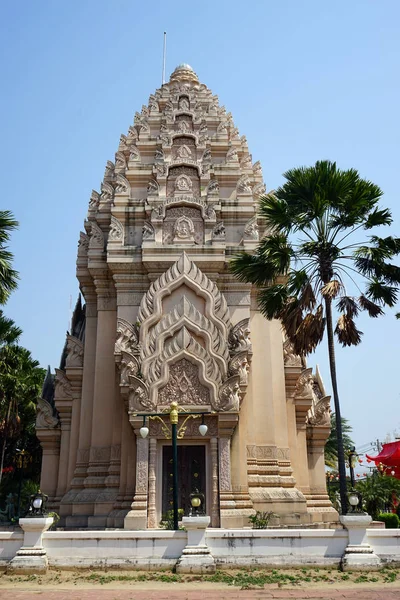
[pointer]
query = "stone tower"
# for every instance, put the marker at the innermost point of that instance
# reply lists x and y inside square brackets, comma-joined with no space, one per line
[165,320]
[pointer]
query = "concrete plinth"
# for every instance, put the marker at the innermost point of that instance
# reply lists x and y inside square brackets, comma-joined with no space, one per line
[358,554]
[196,556]
[31,557]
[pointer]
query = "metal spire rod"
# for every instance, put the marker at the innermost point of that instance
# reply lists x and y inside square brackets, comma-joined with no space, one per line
[164,57]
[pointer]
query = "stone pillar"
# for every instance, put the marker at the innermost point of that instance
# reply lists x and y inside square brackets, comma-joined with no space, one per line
[318,502]
[358,554]
[50,443]
[196,556]
[214,482]
[31,557]
[64,408]
[86,407]
[151,521]
[104,391]
[137,516]
[227,503]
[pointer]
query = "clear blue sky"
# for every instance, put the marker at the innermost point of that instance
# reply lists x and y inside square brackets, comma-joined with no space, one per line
[304,80]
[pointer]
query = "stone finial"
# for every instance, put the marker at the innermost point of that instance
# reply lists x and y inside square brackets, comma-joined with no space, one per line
[184,72]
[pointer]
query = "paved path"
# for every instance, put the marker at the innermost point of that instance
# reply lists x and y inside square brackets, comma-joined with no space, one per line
[379,593]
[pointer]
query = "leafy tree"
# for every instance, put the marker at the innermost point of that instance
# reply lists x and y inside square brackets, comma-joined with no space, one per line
[21,380]
[331,448]
[8,276]
[312,257]
[377,492]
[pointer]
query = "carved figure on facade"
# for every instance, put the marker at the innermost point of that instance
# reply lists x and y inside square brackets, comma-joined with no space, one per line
[148,233]
[239,365]
[161,169]
[134,154]
[213,187]
[94,200]
[132,133]
[74,352]
[96,240]
[183,230]
[169,109]
[124,143]
[159,155]
[243,185]
[165,139]
[183,103]
[127,339]
[184,386]
[259,190]
[219,232]
[139,395]
[183,183]
[239,337]
[233,133]
[107,193]
[152,187]
[222,128]
[109,171]
[183,126]
[129,365]
[45,417]
[251,229]
[320,412]
[122,185]
[229,395]
[305,385]
[120,160]
[291,359]
[210,213]
[257,168]
[153,104]
[116,232]
[63,387]
[183,152]
[83,244]
[246,162]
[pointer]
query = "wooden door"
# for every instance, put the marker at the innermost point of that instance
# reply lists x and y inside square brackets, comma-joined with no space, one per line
[191,476]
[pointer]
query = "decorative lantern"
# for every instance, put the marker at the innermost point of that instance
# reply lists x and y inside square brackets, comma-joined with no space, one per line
[37,505]
[197,503]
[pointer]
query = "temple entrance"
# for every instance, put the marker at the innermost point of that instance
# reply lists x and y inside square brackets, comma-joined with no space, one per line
[191,476]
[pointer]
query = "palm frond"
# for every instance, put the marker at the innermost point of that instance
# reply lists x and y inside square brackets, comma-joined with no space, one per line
[381,293]
[372,309]
[348,306]
[347,332]
[332,288]
[275,212]
[378,217]
[310,332]
[252,268]
[272,300]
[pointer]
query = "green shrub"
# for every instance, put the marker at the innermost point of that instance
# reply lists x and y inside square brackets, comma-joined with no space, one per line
[261,519]
[167,519]
[391,520]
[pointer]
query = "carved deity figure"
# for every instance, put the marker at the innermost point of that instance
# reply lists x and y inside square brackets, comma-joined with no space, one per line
[183,184]
[184,152]
[305,385]
[183,104]
[183,230]
[229,397]
[148,231]
[183,126]
[219,231]
[213,186]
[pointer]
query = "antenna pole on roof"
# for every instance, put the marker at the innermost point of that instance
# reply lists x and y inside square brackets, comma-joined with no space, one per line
[164,57]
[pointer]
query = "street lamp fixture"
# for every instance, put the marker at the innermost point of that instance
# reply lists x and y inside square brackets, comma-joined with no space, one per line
[174,434]
[37,504]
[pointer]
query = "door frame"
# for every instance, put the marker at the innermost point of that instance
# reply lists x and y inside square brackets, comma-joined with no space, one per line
[159,470]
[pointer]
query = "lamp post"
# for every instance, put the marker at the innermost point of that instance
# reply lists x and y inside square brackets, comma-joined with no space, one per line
[175,434]
[352,463]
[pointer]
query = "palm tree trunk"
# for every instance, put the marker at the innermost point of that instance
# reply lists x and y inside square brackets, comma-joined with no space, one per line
[339,434]
[4,444]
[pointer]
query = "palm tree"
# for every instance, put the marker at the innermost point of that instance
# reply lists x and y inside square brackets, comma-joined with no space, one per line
[331,450]
[311,257]
[8,276]
[21,379]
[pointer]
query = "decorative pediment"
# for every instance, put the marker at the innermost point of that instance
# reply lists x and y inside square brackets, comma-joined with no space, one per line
[109,171]
[107,193]
[243,185]
[122,185]
[127,339]
[239,337]
[83,244]
[305,385]
[94,200]
[134,154]
[251,230]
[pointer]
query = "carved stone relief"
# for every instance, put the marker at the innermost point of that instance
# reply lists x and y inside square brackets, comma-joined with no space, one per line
[74,352]
[184,386]
[176,216]
[183,180]
[251,230]
[116,232]
[45,417]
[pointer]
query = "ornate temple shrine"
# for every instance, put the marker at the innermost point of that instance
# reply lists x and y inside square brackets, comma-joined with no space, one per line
[163,319]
